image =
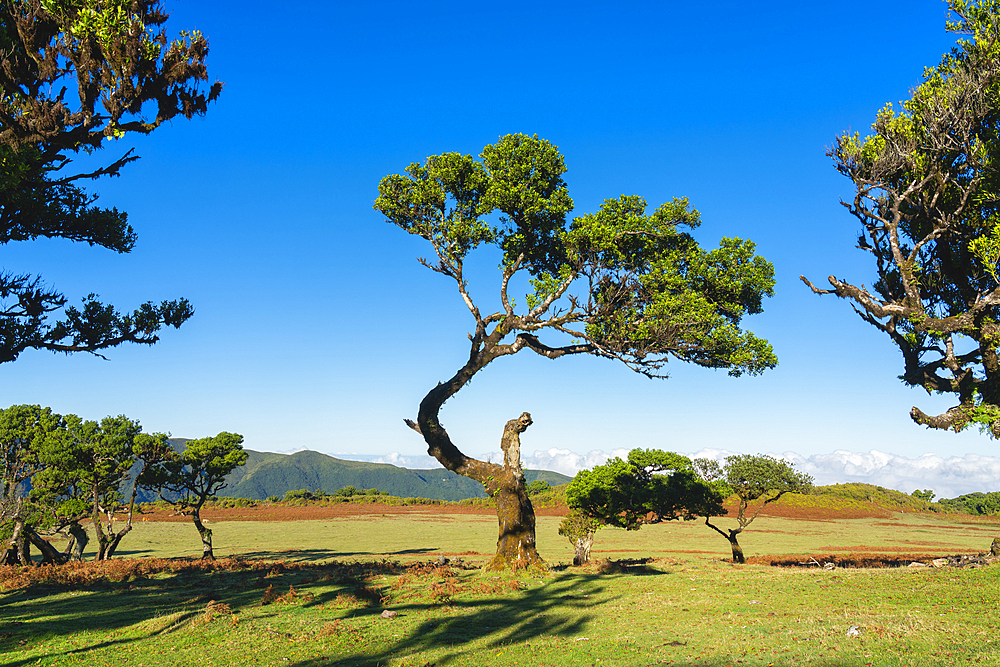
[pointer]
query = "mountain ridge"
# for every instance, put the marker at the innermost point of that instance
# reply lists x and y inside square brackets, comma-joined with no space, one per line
[268,474]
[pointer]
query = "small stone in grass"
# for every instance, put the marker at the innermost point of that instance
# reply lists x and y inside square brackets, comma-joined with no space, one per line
[388,613]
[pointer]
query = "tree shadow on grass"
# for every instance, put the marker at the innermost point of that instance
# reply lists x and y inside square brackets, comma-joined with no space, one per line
[558,609]
[43,613]
[484,612]
[315,555]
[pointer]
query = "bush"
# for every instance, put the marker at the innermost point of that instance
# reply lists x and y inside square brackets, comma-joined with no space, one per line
[538,486]
[226,502]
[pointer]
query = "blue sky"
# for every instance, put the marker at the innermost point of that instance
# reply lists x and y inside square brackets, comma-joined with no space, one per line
[315,327]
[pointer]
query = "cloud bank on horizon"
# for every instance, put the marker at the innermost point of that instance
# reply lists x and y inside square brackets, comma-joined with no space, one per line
[947,477]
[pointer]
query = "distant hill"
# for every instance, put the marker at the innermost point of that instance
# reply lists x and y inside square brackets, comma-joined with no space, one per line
[267,474]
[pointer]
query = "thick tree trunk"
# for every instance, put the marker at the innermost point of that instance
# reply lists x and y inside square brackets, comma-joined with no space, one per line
[49,553]
[515,515]
[206,534]
[108,541]
[737,549]
[115,539]
[731,536]
[78,542]
[582,549]
[505,484]
[19,551]
[516,519]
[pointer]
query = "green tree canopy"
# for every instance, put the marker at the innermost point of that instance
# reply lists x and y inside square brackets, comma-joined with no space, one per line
[649,485]
[75,74]
[927,195]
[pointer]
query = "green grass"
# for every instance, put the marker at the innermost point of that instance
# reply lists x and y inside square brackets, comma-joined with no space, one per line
[425,535]
[687,607]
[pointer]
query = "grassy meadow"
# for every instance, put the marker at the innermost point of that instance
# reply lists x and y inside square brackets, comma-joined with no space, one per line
[311,593]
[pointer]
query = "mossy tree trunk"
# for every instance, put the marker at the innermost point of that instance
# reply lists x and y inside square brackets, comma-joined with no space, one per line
[581,549]
[730,535]
[19,552]
[205,532]
[78,542]
[515,515]
[505,484]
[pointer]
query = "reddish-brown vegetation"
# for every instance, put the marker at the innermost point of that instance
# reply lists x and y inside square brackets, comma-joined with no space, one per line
[866,557]
[794,506]
[286,512]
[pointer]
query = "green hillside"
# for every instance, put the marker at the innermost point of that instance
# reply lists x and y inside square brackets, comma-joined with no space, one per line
[267,474]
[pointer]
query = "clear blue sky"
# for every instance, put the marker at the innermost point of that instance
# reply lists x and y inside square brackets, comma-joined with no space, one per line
[315,326]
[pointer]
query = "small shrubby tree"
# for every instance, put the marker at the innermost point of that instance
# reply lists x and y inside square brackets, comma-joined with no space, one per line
[750,478]
[647,487]
[579,528]
[197,474]
[622,283]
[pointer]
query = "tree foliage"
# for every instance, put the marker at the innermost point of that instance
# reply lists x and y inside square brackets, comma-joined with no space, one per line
[927,195]
[621,283]
[972,503]
[751,478]
[75,74]
[648,486]
[628,283]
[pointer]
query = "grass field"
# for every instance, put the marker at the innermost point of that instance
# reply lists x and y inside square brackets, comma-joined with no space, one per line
[688,607]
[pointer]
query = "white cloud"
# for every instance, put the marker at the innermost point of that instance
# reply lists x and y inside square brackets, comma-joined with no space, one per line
[411,461]
[947,477]
[291,451]
[567,462]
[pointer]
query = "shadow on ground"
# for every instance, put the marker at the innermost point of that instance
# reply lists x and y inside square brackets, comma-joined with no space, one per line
[35,615]
[315,555]
[560,609]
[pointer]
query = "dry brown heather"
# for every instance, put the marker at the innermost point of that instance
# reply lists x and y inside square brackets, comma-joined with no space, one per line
[794,506]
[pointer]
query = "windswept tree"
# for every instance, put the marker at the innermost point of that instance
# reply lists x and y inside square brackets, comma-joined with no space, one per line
[75,74]
[648,487]
[195,475]
[751,478]
[927,195]
[621,283]
[24,431]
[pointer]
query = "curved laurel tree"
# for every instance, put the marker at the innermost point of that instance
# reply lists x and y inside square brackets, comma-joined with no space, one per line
[928,200]
[621,283]
[74,74]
